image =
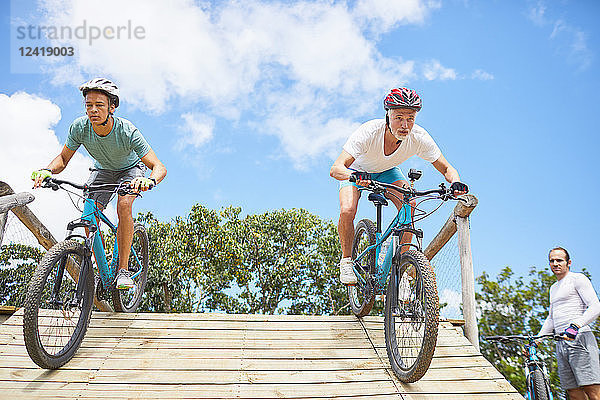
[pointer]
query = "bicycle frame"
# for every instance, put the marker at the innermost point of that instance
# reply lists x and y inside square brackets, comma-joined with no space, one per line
[534,363]
[89,219]
[401,223]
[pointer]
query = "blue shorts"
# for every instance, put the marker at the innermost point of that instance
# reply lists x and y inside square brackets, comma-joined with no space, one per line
[390,176]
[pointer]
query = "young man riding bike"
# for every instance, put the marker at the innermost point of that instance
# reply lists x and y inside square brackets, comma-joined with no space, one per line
[121,154]
[374,151]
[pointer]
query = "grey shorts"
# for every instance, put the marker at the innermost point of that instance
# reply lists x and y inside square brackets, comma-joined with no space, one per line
[105,176]
[578,363]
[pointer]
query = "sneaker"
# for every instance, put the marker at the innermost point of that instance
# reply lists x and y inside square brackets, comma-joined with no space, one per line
[124,280]
[347,276]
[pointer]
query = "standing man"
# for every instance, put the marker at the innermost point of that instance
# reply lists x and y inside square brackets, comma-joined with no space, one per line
[573,306]
[121,154]
[374,151]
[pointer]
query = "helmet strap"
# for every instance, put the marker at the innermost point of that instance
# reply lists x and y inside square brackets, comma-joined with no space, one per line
[107,118]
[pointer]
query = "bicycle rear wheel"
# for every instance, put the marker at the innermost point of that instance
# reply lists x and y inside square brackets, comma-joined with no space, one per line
[54,321]
[361,295]
[538,385]
[411,316]
[129,300]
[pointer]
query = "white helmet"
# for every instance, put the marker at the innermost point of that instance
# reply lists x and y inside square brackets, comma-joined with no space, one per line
[103,85]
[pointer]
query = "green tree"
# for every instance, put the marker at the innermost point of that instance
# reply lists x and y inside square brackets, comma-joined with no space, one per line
[512,305]
[188,262]
[17,263]
[287,263]
[282,261]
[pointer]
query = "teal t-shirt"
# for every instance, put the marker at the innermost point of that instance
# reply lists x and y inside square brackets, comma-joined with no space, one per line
[121,149]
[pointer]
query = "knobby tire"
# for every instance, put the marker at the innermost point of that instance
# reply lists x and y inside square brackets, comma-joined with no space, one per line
[538,385]
[361,295]
[129,300]
[54,326]
[411,316]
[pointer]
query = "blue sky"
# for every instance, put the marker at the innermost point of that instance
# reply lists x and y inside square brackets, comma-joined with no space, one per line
[248,104]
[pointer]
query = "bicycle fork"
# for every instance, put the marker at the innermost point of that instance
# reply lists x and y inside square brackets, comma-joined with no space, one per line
[531,366]
[58,279]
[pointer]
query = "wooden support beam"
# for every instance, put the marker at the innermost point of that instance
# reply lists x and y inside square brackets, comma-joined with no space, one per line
[3,219]
[468,281]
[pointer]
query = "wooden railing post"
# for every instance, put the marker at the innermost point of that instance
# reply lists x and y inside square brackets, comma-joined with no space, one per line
[459,221]
[3,219]
[467,275]
[45,238]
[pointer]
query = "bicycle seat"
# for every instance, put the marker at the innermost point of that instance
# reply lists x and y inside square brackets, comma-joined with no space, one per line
[378,199]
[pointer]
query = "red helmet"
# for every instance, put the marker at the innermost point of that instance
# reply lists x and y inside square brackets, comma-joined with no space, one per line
[402,98]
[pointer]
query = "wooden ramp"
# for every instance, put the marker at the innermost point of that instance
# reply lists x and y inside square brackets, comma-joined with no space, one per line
[219,356]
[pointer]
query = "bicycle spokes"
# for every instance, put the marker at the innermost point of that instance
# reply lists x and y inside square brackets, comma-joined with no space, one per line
[59,310]
[411,318]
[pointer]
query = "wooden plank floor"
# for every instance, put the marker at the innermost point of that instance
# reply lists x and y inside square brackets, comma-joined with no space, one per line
[219,356]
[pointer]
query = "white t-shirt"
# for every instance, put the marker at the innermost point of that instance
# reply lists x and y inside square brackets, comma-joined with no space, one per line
[366,146]
[572,300]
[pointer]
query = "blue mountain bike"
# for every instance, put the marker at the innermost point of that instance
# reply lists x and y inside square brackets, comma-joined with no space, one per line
[60,295]
[536,374]
[411,303]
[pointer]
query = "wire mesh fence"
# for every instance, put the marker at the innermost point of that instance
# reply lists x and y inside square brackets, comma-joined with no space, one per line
[446,265]
[16,232]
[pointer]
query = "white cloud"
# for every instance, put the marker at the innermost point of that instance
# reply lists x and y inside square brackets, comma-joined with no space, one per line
[435,70]
[559,26]
[28,142]
[570,41]
[537,14]
[307,68]
[481,75]
[384,14]
[453,300]
[198,130]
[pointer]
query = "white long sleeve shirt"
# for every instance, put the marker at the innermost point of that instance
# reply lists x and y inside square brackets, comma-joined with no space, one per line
[572,301]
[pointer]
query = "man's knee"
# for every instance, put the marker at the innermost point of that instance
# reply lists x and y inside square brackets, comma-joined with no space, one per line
[125,206]
[592,391]
[576,394]
[347,212]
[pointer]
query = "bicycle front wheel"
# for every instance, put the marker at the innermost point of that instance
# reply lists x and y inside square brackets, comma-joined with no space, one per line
[538,385]
[411,316]
[54,320]
[361,295]
[129,300]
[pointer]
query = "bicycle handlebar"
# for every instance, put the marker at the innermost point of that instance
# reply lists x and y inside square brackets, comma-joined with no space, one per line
[122,189]
[515,338]
[373,186]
